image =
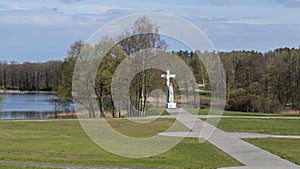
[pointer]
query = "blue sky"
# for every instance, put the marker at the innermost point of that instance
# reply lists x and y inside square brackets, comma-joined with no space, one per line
[41,30]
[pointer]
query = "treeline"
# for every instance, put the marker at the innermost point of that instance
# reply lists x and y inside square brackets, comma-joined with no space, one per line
[258,82]
[29,76]
[264,82]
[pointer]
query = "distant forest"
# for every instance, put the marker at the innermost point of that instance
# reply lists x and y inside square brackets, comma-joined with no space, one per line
[264,82]
[256,82]
[29,76]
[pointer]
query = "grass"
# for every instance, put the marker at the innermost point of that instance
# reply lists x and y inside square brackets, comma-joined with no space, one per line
[18,167]
[141,129]
[154,112]
[63,141]
[265,126]
[157,112]
[285,148]
[226,113]
[238,113]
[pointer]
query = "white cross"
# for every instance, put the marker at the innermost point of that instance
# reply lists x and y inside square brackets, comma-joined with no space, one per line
[168,76]
[169,92]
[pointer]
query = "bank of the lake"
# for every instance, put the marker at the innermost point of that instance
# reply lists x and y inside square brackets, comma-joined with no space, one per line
[29,106]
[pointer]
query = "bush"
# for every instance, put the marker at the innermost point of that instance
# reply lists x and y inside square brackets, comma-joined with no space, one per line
[240,100]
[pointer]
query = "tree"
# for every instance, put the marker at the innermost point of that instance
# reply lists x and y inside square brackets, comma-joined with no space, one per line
[29,76]
[66,72]
[104,78]
[137,41]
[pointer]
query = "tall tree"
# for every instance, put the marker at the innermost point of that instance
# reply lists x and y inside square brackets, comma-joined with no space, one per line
[66,71]
[143,35]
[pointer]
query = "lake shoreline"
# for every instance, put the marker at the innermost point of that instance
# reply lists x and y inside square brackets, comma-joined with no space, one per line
[25,92]
[37,115]
[33,106]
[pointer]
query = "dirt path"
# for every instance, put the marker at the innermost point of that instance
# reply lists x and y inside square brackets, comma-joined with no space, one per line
[64,166]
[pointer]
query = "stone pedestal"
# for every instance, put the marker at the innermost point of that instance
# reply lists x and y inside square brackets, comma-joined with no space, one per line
[171,106]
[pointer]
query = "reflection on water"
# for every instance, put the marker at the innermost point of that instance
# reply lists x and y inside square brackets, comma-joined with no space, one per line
[28,102]
[28,106]
[26,115]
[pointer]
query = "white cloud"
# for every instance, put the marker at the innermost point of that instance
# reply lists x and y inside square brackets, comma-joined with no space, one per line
[70,1]
[58,15]
[249,21]
[89,9]
[231,20]
[32,18]
[220,2]
[2,6]
[214,2]
[288,3]
[239,36]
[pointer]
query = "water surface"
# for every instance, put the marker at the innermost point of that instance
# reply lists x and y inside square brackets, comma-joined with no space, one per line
[27,106]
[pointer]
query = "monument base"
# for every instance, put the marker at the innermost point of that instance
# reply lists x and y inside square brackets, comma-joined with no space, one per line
[171,106]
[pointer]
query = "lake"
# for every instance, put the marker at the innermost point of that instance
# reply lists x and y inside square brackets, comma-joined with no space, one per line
[27,106]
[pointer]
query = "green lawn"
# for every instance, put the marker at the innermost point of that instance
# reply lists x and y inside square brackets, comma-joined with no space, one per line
[266,126]
[156,112]
[18,167]
[238,113]
[143,128]
[63,141]
[226,113]
[286,148]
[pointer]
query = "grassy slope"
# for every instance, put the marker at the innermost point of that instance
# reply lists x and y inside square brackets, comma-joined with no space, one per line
[65,142]
[237,113]
[286,148]
[266,126]
[19,167]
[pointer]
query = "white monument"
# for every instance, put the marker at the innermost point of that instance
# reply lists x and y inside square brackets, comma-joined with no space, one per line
[170,92]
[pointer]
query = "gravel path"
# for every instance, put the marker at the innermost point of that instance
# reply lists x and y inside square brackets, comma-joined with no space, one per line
[64,166]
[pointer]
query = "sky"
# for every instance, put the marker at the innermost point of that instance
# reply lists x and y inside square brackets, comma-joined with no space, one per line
[42,30]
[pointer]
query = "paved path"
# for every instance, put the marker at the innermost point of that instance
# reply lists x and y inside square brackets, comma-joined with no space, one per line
[246,153]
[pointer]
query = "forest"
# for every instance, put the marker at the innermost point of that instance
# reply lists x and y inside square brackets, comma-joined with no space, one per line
[29,76]
[255,82]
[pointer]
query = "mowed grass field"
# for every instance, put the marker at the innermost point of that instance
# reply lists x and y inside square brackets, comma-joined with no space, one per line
[64,141]
[285,148]
[18,167]
[238,113]
[264,126]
